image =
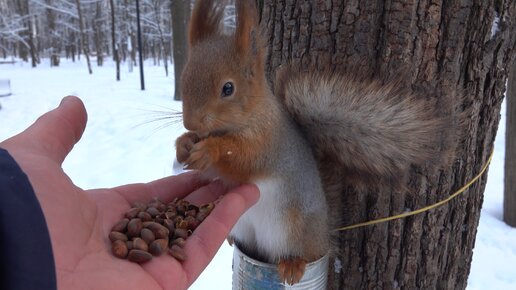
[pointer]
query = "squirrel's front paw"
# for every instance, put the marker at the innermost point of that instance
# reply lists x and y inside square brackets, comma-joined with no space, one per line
[184,145]
[291,270]
[201,156]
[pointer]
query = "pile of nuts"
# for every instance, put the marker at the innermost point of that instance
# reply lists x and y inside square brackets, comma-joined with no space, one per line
[151,229]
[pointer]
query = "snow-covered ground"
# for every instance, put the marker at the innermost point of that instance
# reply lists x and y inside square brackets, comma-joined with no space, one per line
[128,140]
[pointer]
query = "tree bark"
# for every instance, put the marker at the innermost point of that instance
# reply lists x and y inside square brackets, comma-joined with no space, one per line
[180,10]
[509,200]
[445,49]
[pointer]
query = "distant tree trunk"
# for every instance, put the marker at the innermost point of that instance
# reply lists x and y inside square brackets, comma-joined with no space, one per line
[23,47]
[26,45]
[131,39]
[31,24]
[72,46]
[84,37]
[99,34]
[180,10]
[162,46]
[116,57]
[55,44]
[509,201]
[132,50]
[141,49]
[443,47]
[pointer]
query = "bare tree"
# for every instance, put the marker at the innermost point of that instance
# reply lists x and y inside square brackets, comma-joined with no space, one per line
[98,34]
[446,50]
[157,6]
[11,30]
[55,44]
[52,28]
[114,40]
[26,44]
[84,38]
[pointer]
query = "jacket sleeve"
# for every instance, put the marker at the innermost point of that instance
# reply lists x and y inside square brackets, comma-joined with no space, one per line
[26,257]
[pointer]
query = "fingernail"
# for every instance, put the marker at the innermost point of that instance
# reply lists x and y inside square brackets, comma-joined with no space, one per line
[66,100]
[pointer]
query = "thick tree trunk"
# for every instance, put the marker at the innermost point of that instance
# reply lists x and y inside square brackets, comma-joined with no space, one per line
[446,49]
[180,10]
[509,201]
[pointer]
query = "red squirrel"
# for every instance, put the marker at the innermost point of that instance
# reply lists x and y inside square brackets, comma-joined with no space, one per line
[242,131]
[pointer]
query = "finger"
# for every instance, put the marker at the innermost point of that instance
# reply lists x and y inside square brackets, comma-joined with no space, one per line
[166,189]
[202,245]
[207,193]
[55,133]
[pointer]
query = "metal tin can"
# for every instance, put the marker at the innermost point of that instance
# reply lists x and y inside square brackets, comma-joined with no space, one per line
[251,274]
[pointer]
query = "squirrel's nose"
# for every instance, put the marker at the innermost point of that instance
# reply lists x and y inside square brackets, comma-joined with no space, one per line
[188,116]
[192,122]
[188,123]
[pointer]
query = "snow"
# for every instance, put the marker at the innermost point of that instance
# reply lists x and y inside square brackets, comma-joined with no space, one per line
[495,247]
[122,144]
[495,26]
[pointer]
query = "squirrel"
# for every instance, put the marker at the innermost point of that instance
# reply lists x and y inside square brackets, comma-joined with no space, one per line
[240,130]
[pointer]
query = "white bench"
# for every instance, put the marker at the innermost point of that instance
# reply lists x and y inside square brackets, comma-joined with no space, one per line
[5,87]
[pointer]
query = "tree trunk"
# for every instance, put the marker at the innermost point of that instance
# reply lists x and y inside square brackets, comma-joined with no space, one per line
[442,47]
[162,46]
[25,44]
[98,34]
[509,200]
[132,50]
[84,37]
[114,43]
[180,10]
[30,24]
[55,44]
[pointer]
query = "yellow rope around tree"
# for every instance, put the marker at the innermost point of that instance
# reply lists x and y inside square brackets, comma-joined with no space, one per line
[406,214]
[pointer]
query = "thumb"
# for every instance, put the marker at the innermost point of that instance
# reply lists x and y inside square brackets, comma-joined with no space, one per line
[55,133]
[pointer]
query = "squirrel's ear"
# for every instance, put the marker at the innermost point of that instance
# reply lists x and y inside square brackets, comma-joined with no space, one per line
[206,20]
[246,34]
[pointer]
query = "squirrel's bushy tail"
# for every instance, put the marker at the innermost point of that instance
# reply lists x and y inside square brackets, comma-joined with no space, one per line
[374,129]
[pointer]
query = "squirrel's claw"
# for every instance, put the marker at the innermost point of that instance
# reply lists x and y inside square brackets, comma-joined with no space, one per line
[184,145]
[291,270]
[200,157]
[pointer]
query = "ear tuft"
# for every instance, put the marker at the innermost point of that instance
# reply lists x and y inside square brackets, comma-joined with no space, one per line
[206,20]
[246,34]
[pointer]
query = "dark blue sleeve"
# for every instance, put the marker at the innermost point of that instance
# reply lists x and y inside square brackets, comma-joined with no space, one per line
[26,257]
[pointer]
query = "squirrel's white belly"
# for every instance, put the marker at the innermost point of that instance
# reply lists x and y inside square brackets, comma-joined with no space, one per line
[263,224]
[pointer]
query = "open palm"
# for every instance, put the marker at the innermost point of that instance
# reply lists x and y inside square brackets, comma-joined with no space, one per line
[79,221]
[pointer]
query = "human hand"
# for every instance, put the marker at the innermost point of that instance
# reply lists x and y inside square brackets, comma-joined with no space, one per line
[79,221]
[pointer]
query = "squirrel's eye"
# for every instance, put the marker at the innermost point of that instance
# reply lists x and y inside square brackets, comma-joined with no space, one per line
[227,89]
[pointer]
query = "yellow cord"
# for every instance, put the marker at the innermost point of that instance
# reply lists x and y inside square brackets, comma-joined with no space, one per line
[461,190]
